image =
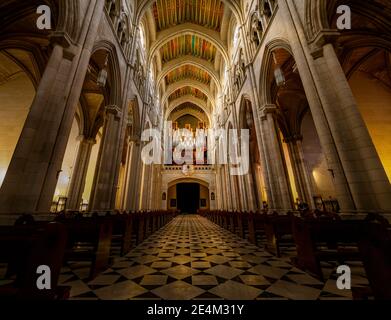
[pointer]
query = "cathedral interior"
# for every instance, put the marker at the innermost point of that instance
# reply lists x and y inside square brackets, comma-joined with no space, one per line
[195,149]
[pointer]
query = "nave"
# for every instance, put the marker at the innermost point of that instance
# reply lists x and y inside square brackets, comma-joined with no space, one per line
[193,258]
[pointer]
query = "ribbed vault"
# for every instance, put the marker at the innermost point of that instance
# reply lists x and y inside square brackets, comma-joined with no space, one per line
[188,47]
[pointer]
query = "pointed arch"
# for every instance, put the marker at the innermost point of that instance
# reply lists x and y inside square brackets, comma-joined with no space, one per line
[189,29]
[189,60]
[278,43]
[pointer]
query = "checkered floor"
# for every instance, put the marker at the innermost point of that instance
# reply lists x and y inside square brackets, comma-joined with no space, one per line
[192,258]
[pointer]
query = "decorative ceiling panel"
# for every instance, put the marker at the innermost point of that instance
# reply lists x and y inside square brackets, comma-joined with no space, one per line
[187,91]
[188,45]
[188,72]
[169,13]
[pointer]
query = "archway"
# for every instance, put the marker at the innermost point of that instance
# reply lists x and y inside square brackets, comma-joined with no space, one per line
[287,106]
[83,153]
[188,195]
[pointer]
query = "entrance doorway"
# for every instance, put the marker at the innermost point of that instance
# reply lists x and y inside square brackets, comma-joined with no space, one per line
[188,197]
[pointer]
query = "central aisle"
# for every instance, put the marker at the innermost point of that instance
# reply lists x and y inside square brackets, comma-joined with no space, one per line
[192,258]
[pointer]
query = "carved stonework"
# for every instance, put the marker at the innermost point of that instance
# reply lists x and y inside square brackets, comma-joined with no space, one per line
[113,109]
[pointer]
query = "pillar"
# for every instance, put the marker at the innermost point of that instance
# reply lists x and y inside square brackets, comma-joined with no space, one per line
[104,190]
[32,176]
[282,199]
[79,175]
[323,120]
[300,170]
[360,179]
[367,179]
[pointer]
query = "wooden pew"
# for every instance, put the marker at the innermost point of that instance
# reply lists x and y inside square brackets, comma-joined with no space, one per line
[31,246]
[122,232]
[242,224]
[231,221]
[326,240]
[89,239]
[278,231]
[375,250]
[139,225]
[256,227]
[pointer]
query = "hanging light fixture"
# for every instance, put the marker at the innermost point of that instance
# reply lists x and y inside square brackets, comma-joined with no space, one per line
[102,76]
[278,73]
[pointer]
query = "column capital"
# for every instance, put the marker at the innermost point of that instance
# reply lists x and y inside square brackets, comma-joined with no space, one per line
[113,109]
[266,109]
[322,38]
[87,140]
[90,141]
[61,38]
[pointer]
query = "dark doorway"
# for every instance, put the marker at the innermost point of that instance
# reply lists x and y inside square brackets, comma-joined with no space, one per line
[188,197]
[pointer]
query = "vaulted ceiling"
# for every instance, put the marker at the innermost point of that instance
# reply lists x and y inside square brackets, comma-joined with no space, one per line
[187,91]
[188,72]
[188,46]
[169,13]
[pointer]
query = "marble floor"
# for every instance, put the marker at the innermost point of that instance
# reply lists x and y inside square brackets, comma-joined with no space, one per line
[192,258]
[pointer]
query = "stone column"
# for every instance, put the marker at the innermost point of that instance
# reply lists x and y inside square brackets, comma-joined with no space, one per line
[322,119]
[229,193]
[145,186]
[79,175]
[128,168]
[132,179]
[104,190]
[27,172]
[218,186]
[251,190]
[223,183]
[235,192]
[299,166]
[154,189]
[244,192]
[368,181]
[280,183]
[272,186]
[32,176]
[361,181]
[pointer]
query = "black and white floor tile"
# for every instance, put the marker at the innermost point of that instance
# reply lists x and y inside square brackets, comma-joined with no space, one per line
[192,258]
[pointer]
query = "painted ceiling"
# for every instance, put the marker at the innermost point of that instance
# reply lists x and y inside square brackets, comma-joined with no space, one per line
[188,72]
[185,91]
[188,45]
[207,13]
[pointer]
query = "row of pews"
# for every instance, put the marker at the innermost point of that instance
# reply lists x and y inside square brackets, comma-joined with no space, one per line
[71,236]
[320,236]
